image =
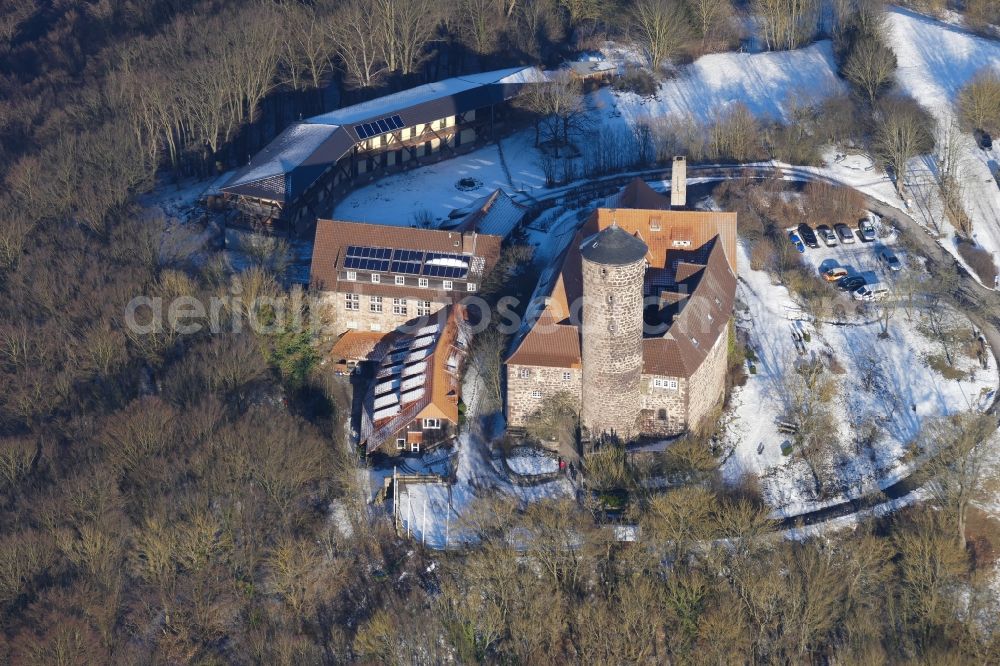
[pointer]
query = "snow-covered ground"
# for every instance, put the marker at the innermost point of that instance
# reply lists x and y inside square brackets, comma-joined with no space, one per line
[530,464]
[935,60]
[433,190]
[885,382]
[432,512]
[767,83]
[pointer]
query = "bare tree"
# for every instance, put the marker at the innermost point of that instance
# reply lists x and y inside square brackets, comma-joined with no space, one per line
[556,419]
[903,131]
[355,34]
[660,27]
[486,356]
[949,177]
[307,49]
[960,464]
[786,24]
[979,101]
[870,67]
[712,20]
[405,28]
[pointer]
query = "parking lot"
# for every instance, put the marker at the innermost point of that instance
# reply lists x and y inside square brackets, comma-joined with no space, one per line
[858,258]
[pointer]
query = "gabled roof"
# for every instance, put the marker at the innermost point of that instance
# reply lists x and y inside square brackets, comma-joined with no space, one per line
[496,213]
[333,237]
[691,259]
[417,377]
[296,158]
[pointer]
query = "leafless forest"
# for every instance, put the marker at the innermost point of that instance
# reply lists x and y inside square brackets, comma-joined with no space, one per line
[166,498]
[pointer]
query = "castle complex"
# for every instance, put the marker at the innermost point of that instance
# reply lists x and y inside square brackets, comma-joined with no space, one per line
[635,323]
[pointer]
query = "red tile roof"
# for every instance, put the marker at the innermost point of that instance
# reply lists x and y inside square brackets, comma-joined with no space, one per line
[333,237]
[692,250]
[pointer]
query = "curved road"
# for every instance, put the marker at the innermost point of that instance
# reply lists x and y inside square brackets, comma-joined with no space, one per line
[976,301]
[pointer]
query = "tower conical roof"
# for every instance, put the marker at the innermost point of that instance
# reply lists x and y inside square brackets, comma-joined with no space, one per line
[613,246]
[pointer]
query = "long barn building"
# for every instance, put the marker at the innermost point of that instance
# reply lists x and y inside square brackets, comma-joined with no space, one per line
[298,176]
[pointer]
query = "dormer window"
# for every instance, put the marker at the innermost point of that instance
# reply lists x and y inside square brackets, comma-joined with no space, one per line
[376,278]
[352,275]
[682,243]
[400,280]
[694,341]
[654,224]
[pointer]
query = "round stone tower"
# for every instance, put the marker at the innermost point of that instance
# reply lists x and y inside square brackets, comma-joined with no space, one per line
[614,263]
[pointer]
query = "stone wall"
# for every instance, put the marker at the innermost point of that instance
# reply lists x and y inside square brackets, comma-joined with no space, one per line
[548,381]
[363,319]
[675,401]
[708,383]
[612,347]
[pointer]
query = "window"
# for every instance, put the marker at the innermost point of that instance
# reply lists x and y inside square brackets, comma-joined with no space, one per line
[525,373]
[375,327]
[536,394]
[423,308]
[352,302]
[682,243]
[400,280]
[664,383]
[654,224]
[399,306]
[447,285]
[415,447]
[352,275]
[376,278]
[400,443]
[661,415]
[352,324]
[471,286]
[375,303]
[422,282]
[432,424]
[567,376]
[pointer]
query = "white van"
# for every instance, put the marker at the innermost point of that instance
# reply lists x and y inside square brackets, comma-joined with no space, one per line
[871,292]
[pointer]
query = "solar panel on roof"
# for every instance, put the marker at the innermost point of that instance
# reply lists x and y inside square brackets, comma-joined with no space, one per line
[398,122]
[382,125]
[361,132]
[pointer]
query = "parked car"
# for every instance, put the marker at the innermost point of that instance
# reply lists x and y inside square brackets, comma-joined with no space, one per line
[871,292]
[826,235]
[845,233]
[808,235]
[796,241]
[889,260]
[983,139]
[851,282]
[867,230]
[835,274]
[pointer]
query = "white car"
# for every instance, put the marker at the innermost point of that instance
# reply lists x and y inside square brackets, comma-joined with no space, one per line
[871,292]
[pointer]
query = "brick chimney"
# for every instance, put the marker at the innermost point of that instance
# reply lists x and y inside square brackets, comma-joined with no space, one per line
[678,183]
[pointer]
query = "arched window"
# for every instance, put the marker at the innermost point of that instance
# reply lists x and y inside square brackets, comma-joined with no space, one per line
[661,415]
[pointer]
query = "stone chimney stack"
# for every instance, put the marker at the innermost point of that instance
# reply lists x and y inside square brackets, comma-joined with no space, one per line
[678,183]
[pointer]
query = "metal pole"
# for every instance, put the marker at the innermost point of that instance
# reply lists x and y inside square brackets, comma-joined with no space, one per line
[447,525]
[423,535]
[395,500]
[409,515]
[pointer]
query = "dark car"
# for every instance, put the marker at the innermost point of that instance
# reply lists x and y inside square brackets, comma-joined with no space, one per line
[808,235]
[983,139]
[851,282]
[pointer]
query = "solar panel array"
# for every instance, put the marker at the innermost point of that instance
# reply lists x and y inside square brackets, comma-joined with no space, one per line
[375,259]
[407,262]
[380,126]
